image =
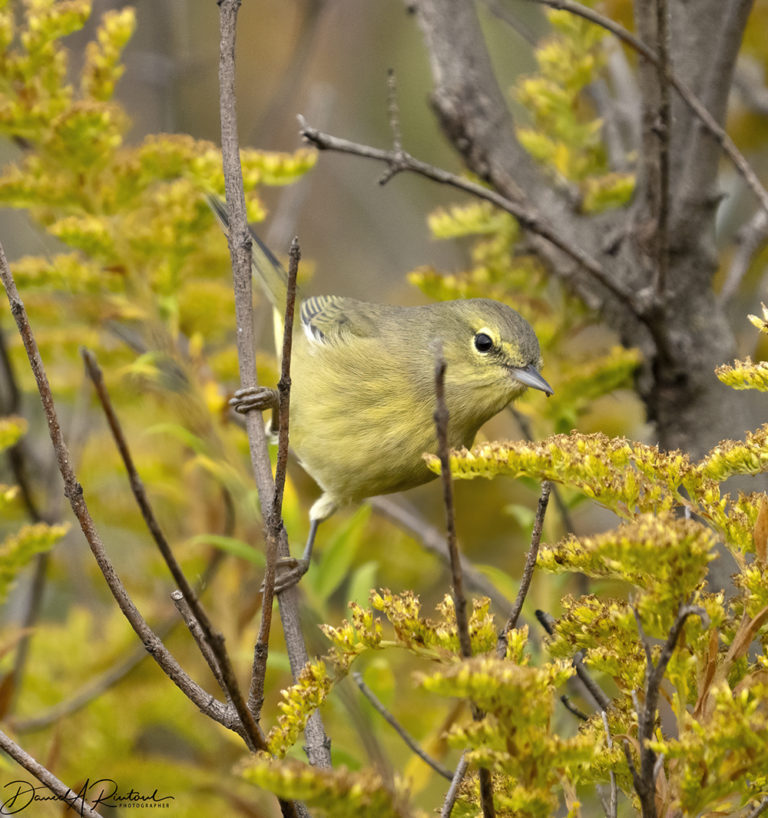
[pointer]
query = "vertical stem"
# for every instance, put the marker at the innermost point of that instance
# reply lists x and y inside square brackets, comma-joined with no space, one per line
[274,522]
[213,639]
[459,599]
[17,456]
[453,790]
[663,128]
[457,578]
[317,742]
[530,565]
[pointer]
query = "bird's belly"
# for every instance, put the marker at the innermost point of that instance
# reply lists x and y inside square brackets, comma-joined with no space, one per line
[361,452]
[358,437]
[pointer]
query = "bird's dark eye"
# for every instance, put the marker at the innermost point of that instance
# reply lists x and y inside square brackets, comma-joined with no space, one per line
[483,342]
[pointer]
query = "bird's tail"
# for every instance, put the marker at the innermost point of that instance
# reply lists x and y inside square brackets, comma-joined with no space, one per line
[267,270]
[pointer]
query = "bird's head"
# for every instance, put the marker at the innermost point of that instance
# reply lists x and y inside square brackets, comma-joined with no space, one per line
[491,352]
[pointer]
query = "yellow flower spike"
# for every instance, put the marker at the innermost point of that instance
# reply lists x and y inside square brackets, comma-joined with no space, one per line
[341,792]
[745,374]
[12,429]
[661,554]
[760,323]
[17,549]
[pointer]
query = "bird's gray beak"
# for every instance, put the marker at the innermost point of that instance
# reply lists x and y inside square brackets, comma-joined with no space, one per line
[529,376]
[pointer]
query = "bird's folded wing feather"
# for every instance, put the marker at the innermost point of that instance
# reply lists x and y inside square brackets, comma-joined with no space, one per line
[329,319]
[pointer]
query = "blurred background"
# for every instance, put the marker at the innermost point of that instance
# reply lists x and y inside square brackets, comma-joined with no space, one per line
[328,61]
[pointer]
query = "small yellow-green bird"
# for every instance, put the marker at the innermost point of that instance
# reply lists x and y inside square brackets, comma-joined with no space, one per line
[363,383]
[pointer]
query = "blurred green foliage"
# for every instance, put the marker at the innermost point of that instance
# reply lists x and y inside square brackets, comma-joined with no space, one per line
[566,136]
[136,270]
[675,512]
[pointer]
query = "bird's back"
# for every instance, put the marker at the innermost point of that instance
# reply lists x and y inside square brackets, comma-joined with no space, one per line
[351,391]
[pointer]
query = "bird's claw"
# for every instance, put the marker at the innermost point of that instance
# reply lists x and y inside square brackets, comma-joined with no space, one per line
[288,572]
[260,398]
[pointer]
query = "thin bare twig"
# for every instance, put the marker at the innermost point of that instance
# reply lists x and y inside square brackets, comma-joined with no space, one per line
[274,523]
[644,640]
[529,219]
[630,760]
[224,672]
[459,599]
[571,708]
[486,792]
[513,21]
[530,565]
[284,384]
[457,579]
[94,372]
[394,112]
[562,508]
[594,689]
[688,97]
[44,776]
[453,790]
[612,802]
[399,729]
[317,742]
[193,625]
[749,239]
[240,242]
[99,685]
[645,780]
[663,133]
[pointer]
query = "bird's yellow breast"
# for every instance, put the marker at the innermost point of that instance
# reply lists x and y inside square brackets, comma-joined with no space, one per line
[347,410]
[361,417]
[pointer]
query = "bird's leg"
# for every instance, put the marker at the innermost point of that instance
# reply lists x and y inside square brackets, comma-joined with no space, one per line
[307,556]
[290,570]
[260,398]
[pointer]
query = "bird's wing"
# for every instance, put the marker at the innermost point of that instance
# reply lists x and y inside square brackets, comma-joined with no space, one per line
[328,319]
[267,270]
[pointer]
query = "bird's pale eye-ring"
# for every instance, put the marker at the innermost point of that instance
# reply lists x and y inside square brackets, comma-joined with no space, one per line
[483,342]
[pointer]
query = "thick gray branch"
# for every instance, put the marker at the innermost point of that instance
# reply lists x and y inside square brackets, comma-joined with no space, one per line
[688,334]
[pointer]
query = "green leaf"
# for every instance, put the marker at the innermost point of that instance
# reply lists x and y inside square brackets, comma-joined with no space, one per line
[181,434]
[11,430]
[522,515]
[361,581]
[501,579]
[232,545]
[382,679]
[333,566]
[18,549]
